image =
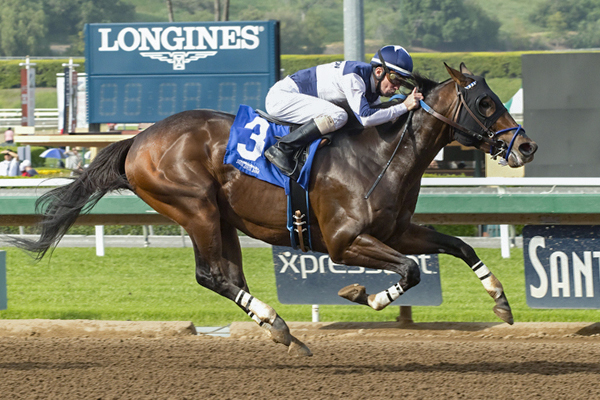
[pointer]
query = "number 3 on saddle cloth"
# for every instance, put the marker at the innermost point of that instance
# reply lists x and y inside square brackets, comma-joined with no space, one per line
[250,136]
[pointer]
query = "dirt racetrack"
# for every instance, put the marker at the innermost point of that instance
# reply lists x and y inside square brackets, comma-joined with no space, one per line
[92,360]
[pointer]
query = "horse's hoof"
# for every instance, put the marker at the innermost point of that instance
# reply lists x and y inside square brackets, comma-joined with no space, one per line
[504,315]
[298,349]
[355,293]
[503,311]
[280,333]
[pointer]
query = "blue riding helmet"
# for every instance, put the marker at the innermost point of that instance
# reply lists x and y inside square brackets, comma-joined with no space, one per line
[395,58]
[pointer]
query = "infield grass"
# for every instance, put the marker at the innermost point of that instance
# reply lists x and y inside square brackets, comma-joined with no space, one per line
[159,284]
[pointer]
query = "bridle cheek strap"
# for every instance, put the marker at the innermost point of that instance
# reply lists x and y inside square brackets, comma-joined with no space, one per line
[461,130]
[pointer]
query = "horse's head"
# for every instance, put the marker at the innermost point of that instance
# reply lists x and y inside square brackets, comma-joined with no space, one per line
[487,123]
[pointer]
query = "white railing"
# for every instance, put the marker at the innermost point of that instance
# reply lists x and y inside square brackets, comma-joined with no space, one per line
[44,117]
[499,181]
[425,182]
[492,181]
[34,182]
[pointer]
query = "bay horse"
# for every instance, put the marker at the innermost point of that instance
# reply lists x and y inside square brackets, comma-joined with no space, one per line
[176,166]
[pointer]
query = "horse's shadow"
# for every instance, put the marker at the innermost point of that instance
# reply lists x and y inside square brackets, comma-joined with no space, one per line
[593,329]
[38,365]
[425,326]
[548,368]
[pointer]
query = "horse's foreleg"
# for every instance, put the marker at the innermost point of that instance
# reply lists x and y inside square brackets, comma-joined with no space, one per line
[422,240]
[369,252]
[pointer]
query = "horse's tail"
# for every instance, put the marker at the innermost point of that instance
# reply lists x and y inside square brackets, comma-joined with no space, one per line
[61,206]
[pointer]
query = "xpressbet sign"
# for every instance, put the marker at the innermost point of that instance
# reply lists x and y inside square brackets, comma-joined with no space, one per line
[312,278]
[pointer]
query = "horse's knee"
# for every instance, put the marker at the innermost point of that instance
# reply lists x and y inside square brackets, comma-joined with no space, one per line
[204,279]
[411,276]
[465,252]
[215,282]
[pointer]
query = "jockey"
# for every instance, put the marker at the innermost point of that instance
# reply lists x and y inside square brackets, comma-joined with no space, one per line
[312,97]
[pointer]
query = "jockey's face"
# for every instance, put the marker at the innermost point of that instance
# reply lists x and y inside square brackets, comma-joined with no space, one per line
[387,87]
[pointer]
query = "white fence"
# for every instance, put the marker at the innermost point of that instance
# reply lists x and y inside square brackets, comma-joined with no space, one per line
[499,183]
[44,117]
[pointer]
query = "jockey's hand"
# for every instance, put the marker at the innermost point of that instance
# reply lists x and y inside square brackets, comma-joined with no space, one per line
[412,101]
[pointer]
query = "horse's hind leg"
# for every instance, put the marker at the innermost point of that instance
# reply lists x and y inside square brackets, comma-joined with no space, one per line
[217,252]
[223,274]
[422,240]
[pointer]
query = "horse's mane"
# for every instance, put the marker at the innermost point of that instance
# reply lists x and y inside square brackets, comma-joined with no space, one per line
[424,84]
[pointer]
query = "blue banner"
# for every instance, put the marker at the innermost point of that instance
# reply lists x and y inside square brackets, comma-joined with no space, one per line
[562,266]
[179,48]
[312,278]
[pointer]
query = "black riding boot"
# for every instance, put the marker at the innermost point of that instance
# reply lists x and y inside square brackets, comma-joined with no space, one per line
[281,154]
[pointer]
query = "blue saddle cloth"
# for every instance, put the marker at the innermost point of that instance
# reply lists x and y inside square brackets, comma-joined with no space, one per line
[249,137]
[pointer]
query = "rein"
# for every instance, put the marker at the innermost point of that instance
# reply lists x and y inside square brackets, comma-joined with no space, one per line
[392,156]
[497,146]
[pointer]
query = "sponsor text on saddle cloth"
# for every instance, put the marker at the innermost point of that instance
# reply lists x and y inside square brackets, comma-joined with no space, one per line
[250,135]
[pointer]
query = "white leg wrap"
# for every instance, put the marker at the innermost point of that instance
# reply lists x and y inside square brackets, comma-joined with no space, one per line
[325,124]
[384,298]
[488,280]
[257,310]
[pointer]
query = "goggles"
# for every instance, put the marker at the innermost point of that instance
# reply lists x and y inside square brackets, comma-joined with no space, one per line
[395,78]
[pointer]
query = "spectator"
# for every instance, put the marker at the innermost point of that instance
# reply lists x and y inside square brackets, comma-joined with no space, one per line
[9,136]
[10,165]
[27,169]
[73,161]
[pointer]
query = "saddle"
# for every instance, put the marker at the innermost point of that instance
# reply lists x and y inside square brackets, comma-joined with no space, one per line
[298,218]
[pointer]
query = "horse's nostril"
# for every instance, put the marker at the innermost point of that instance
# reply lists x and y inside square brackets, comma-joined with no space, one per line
[528,149]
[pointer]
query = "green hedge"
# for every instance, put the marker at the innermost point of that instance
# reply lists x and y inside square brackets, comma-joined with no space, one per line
[490,65]
[45,72]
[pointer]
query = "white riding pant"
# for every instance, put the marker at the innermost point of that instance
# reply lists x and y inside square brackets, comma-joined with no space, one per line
[285,101]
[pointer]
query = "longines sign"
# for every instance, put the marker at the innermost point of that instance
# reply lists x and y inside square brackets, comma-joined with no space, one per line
[145,72]
[153,48]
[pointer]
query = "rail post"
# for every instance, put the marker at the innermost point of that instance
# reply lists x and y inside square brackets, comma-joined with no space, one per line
[3,296]
[405,317]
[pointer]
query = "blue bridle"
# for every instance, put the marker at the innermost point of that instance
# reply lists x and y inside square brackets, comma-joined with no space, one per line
[519,130]
[498,148]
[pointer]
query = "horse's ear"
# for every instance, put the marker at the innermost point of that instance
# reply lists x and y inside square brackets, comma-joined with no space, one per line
[464,69]
[457,76]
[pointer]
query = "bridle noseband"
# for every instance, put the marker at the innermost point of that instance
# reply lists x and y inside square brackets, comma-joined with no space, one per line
[474,129]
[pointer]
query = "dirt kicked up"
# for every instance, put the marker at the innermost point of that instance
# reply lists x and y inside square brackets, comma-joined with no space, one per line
[351,361]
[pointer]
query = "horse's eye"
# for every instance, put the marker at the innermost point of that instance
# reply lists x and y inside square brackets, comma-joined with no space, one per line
[486,106]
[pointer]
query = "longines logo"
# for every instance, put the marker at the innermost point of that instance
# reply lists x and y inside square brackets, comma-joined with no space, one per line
[180,45]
